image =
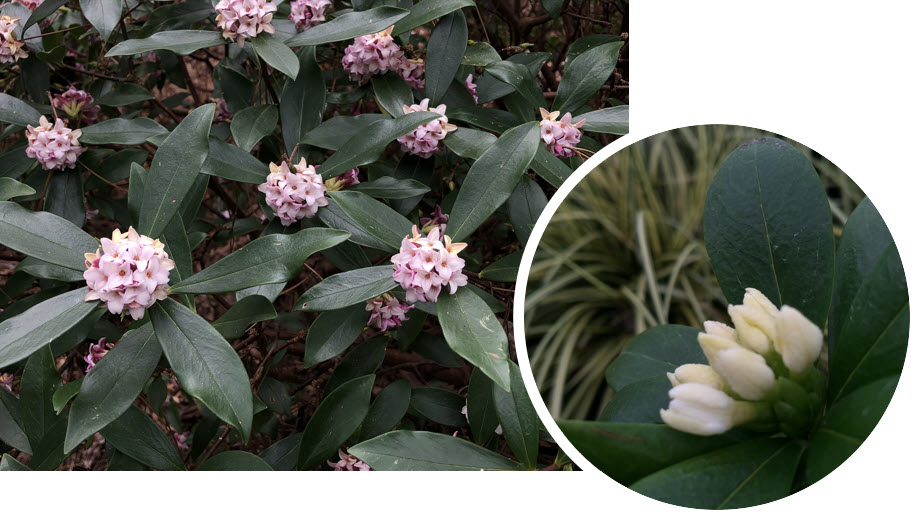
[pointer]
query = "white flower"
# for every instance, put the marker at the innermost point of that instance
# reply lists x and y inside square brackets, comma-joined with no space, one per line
[746,373]
[694,373]
[755,327]
[700,409]
[798,341]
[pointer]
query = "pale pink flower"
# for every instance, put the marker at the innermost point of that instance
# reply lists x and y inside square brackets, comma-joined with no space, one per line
[560,136]
[294,195]
[424,141]
[96,352]
[348,462]
[181,440]
[31,4]
[240,19]
[6,381]
[308,13]
[372,54]
[223,113]
[387,312]
[128,270]
[75,103]
[438,219]
[471,87]
[427,263]
[55,146]
[10,47]
[412,71]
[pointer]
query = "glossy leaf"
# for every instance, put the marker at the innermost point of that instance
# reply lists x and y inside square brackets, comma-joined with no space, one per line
[44,236]
[549,167]
[236,460]
[392,93]
[480,54]
[10,188]
[387,409]
[275,394]
[504,270]
[519,77]
[120,131]
[439,405]
[42,270]
[421,450]
[426,11]
[492,179]
[653,353]
[249,310]
[104,15]
[11,464]
[181,42]
[230,162]
[65,198]
[44,10]
[376,218]
[746,474]
[276,54]
[348,26]
[524,208]
[283,455]
[481,406]
[434,348]
[206,365]
[335,420]
[473,331]
[362,360]
[332,216]
[846,425]
[518,419]
[137,436]
[11,431]
[494,120]
[124,93]
[275,258]
[585,76]
[65,394]
[41,324]
[347,288]
[611,120]
[36,392]
[17,112]
[112,384]
[302,101]
[391,188]
[252,124]
[639,401]
[336,131]
[367,145]
[469,143]
[333,332]
[446,48]
[174,168]
[768,226]
[412,168]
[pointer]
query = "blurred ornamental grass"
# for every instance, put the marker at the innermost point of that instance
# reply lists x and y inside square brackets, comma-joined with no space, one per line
[625,252]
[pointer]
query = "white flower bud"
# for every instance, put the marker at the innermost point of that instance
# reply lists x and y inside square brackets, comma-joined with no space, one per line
[713,344]
[720,329]
[798,341]
[746,372]
[758,299]
[693,373]
[754,327]
[701,410]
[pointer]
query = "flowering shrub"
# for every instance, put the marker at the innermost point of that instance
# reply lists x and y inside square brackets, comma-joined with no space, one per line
[743,414]
[220,188]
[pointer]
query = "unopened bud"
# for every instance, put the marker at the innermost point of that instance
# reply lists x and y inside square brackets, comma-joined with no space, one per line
[758,299]
[798,341]
[746,372]
[754,326]
[702,410]
[693,373]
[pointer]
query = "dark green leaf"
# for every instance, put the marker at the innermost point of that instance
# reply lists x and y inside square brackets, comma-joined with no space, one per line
[272,50]
[392,93]
[420,450]
[473,331]
[504,270]
[653,353]
[640,401]
[17,112]
[283,455]
[347,288]
[494,120]
[42,270]
[480,54]
[391,188]
[333,332]
[174,16]
[44,236]
[248,310]
[439,405]
[65,198]
[275,395]
[524,208]
[44,10]
[435,348]
[120,131]
[235,460]
[10,464]
[332,216]
[181,42]
[302,101]
[446,48]
[104,15]
[519,77]
[492,179]
[612,120]
[36,392]
[252,124]
[336,419]
[518,419]
[137,436]
[387,410]
[426,11]
[10,188]
[376,218]
[11,431]
[207,366]
[336,131]
[585,76]
[768,226]
[275,258]
[364,359]
[469,143]
[112,384]
[413,168]
[550,167]
[230,162]
[348,26]
[40,325]
[65,394]
[124,93]
[481,406]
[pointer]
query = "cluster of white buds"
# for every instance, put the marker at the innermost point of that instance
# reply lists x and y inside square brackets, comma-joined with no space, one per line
[240,19]
[10,47]
[54,146]
[752,368]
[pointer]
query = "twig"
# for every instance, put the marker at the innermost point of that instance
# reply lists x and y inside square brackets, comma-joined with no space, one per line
[96,74]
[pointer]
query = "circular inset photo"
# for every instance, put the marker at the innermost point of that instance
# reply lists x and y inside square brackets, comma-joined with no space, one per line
[715,316]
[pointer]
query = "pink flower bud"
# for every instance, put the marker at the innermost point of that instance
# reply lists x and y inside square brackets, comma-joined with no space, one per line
[471,87]
[96,352]
[387,312]
[75,103]
[308,13]
[240,19]
[348,462]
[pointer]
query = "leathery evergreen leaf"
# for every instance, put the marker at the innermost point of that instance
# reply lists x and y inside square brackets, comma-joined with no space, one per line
[44,236]
[421,450]
[336,419]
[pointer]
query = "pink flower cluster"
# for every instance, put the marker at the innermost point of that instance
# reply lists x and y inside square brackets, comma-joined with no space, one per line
[471,87]
[223,113]
[308,13]
[425,264]
[371,54]
[560,136]
[294,195]
[240,19]
[6,381]
[438,219]
[387,312]
[10,47]
[423,141]
[31,4]
[348,462]
[412,71]
[75,103]
[343,180]
[181,440]
[97,351]
[55,146]
[128,270]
